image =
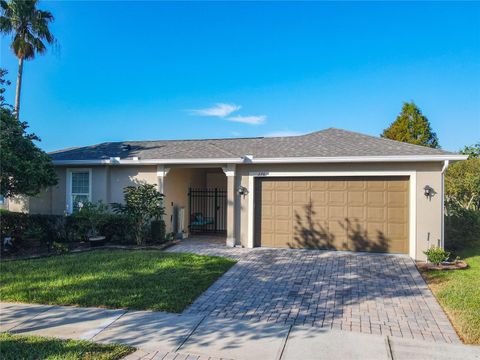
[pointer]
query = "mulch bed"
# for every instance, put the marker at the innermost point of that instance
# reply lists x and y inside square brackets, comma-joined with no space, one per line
[35,253]
[457,265]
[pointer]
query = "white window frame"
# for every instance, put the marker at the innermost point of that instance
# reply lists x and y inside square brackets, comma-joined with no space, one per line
[412,195]
[69,201]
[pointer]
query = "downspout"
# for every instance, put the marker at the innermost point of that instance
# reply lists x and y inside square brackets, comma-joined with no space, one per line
[444,169]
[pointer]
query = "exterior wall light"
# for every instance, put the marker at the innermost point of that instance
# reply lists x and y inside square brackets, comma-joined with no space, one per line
[242,190]
[428,191]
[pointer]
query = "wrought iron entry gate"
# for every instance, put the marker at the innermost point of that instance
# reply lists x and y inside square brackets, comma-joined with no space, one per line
[208,210]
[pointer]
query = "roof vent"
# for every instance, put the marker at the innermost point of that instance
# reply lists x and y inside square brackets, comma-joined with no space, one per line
[126,147]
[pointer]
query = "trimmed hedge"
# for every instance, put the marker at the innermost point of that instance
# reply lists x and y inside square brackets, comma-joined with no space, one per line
[32,230]
[462,226]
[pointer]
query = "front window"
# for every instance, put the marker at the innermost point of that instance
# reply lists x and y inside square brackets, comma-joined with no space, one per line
[80,188]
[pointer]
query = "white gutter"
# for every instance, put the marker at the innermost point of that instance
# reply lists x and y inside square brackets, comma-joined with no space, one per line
[251,160]
[444,168]
[445,165]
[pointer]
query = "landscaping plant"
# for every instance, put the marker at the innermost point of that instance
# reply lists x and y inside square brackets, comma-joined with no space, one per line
[143,205]
[88,218]
[436,255]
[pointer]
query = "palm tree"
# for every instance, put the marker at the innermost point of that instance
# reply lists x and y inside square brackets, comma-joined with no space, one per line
[29,26]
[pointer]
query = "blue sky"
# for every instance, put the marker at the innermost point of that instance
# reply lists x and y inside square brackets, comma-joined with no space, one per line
[152,70]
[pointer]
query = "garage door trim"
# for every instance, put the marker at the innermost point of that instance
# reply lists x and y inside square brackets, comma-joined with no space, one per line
[412,195]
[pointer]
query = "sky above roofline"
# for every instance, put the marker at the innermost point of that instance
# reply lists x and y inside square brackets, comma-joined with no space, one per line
[216,70]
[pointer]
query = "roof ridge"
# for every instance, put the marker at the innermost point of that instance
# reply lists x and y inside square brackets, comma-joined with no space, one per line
[382,139]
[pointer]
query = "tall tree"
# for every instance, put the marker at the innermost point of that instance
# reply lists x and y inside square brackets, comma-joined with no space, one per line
[25,169]
[29,27]
[473,151]
[462,181]
[413,127]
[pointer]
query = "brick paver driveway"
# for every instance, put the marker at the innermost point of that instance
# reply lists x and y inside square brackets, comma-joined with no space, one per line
[370,293]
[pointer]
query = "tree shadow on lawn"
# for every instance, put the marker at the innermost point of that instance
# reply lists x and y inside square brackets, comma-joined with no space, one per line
[13,347]
[163,286]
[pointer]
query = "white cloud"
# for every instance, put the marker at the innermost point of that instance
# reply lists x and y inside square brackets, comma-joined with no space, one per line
[283,133]
[218,110]
[252,120]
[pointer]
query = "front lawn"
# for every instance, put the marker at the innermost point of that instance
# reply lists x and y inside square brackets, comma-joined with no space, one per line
[134,279]
[458,292]
[13,347]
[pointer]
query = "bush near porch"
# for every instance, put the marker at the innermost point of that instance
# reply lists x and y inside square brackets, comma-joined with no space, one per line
[134,279]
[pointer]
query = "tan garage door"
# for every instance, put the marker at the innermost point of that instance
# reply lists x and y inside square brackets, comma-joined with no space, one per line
[357,213]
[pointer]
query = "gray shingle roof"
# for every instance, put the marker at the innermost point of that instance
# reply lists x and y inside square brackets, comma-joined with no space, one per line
[325,143]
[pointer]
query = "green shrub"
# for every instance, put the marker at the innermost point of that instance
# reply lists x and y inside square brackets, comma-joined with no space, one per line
[86,220]
[158,235]
[117,229]
[143,204]
[436,255]
[32,230]
[462,226]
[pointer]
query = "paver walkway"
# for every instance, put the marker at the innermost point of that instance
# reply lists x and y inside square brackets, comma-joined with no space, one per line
[368,293]
[165,336]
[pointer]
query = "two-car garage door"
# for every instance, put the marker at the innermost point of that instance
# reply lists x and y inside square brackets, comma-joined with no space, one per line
[354,213]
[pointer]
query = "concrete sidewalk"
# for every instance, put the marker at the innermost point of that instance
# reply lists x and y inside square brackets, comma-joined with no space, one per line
[159,335]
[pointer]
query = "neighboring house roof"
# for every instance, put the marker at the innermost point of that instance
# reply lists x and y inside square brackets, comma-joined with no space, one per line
[326,145]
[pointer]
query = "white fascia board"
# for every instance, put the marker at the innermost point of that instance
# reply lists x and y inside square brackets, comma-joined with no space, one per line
[284,160]
[360,159]
[148,161]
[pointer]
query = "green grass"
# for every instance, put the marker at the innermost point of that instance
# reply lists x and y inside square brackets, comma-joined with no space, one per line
[458,292]
[134,279]
[16,347]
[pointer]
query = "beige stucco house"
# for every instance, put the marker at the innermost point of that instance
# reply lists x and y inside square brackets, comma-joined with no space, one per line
[331,189]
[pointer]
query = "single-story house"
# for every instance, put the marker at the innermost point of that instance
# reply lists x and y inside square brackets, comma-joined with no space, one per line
[331,189]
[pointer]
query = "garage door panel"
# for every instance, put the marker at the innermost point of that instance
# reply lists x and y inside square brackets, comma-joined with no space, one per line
[283,197]
[319,212]
[301,185]
[336,185]
[268,185]
[360,214]
[336,197]
[397,215]
[397,231]
[284,239]
[356,213]
[267,226]
[336,212]
[283,185]
[318,185]
[267,240]
[300,197]
[358,185]
[375,185]
[283,212]
[267,196]
[318,197]
[376,198]
[356,198]
[397,185]
[375,230]
[267,211]
[397,199]
[376,214]
[283,226]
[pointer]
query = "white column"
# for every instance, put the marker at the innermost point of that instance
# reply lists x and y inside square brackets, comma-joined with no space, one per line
[229,171]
